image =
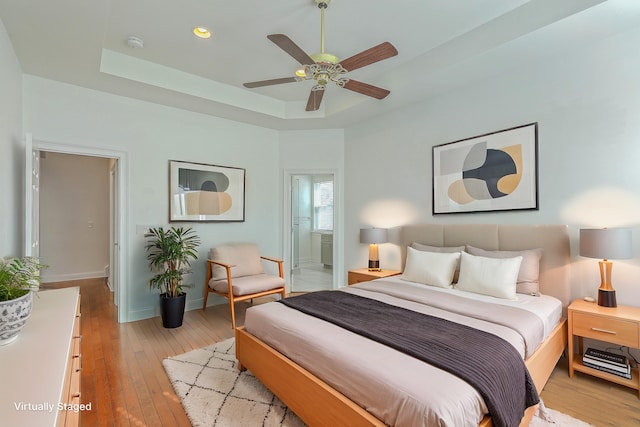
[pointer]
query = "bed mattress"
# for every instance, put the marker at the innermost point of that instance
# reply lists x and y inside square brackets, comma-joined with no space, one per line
[394,387]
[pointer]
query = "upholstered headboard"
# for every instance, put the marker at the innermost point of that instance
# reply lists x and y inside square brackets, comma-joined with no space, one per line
[553,239]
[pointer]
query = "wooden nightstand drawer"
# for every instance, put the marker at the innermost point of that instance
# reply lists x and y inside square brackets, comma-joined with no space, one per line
[606,329]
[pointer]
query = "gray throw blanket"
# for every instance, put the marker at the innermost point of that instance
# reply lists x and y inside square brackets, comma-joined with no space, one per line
[487,362]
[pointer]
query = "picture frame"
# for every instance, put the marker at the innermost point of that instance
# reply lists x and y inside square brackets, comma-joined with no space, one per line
[201,192]
[496,171]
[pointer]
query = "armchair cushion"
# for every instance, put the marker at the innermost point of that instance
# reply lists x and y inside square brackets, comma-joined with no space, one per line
[245,257]
[248,284]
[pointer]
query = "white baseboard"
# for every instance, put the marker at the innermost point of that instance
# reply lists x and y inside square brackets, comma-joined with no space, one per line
[50,278]
[149,312]
[146,313]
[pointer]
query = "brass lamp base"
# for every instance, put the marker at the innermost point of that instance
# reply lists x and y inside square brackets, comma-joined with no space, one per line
[607,298]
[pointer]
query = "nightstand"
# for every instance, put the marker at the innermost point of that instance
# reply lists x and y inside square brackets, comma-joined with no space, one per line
[364,275]
[616,325]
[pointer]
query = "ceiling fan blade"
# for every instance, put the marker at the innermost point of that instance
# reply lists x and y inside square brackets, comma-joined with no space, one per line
[366,89]
[270,82]
[377,53]
[315,98]
[286,44]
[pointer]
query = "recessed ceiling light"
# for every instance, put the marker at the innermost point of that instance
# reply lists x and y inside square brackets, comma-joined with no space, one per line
[202,32]
[135,42]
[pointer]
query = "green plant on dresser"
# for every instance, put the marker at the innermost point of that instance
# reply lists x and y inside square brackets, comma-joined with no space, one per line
[18,278]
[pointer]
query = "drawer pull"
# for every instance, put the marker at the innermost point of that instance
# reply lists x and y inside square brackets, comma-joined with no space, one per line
[606,331]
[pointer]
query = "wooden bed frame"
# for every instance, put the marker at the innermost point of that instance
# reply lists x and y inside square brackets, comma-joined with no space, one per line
[318,404]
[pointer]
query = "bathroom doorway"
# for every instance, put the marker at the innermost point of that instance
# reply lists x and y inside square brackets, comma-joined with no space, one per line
[312,232]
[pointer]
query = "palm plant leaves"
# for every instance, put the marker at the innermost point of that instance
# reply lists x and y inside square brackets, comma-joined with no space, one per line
[170,252]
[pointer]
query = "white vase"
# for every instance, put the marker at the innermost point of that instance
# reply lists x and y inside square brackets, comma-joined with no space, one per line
[13,316]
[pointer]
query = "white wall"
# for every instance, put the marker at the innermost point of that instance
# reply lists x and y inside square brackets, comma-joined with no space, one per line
[12,157]
[151,135]
[74,216]
[587,105]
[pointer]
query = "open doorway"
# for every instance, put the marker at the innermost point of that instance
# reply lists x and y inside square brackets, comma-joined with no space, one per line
[74,217]
[312,232]
[109,220]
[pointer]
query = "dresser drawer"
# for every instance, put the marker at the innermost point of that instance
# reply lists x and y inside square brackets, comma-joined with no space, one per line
[607,329]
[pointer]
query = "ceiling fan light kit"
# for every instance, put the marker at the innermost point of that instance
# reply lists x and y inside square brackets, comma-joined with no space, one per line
[324,67]
[202,32]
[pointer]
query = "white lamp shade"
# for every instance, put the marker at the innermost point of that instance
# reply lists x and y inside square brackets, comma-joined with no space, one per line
[606,243]
[373,235]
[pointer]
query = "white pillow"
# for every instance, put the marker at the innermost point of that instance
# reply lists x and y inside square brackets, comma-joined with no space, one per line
[528,277]
[430,268]
[442,249]
[496,277]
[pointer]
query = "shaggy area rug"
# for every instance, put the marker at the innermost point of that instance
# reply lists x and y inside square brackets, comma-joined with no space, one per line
[214,393]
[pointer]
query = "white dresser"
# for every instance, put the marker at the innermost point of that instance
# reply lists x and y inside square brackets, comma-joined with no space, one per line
[40,371]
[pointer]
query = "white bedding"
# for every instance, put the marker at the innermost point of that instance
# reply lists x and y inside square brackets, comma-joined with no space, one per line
[547,308]
[394,387]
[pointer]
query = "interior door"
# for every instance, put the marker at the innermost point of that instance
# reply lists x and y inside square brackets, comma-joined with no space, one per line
[295,226]
[311,252]
[114,244]
[32,199]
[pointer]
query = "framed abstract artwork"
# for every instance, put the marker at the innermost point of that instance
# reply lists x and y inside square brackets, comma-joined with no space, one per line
[205,193]
[497,171]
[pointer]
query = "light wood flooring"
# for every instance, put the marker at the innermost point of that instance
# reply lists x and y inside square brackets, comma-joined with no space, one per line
[123,377]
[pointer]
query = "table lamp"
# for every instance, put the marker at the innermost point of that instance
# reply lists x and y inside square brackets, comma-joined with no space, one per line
[606,243]
[373,236]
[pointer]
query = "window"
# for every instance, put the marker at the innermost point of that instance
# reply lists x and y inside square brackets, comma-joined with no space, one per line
[323,206]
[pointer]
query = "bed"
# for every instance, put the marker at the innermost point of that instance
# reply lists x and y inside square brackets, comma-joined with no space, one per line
[305,361]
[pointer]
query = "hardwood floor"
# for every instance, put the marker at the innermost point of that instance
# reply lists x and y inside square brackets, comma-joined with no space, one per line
[122,372]
[591,399]
[124,380]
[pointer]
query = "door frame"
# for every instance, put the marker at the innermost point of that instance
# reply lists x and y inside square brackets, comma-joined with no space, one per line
[120,220]
[287,218]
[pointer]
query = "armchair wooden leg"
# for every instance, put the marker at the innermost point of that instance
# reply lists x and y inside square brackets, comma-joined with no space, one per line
[206,296]
[233,314]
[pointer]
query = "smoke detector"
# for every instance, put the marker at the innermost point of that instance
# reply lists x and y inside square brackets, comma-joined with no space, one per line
[135,42]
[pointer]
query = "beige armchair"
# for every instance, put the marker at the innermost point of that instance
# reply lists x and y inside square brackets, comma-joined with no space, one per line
[235,272]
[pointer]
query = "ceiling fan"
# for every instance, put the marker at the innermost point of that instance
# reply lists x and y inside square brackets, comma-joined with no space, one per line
[325,67]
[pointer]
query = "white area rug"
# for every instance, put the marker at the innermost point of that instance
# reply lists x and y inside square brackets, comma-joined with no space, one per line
[546,417]
[214,393]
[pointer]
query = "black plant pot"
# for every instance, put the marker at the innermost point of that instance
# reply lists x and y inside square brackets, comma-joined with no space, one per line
[172,310]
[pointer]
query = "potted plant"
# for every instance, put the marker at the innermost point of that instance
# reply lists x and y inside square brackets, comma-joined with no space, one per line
[18,277]
[170,252]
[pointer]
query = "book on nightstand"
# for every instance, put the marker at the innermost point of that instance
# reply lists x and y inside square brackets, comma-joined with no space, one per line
[606,356]
[607,362]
